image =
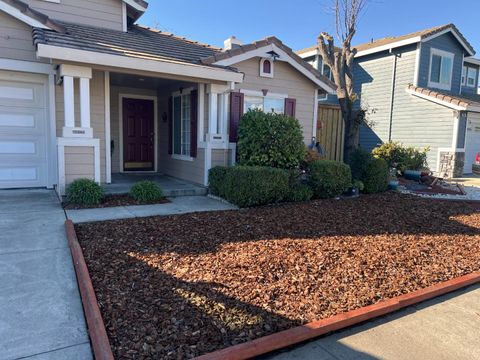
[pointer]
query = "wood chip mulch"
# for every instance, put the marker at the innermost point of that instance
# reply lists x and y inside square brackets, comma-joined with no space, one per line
[180,286]
[113,201]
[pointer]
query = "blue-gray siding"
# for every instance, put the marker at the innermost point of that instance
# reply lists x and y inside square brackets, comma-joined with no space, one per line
[446,42]
[415,121]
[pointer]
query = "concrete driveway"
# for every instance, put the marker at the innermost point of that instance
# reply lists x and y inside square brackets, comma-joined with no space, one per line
[41,315]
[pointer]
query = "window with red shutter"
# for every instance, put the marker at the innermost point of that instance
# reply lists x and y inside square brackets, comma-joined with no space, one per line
[170,125]
[236,113]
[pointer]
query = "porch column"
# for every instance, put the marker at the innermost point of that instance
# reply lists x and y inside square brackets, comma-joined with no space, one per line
[212,113]
[85,102]
[68,102]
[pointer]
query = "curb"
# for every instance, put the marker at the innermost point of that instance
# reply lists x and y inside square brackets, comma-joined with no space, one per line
[96,327]
[317,328]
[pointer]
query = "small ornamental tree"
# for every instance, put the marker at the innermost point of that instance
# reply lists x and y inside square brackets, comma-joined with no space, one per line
[270,139]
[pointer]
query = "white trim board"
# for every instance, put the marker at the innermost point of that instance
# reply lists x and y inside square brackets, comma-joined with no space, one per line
[261,52]
[27,66]
[135,5]
[122,96]
[12,11]
[155,66]
[108,144]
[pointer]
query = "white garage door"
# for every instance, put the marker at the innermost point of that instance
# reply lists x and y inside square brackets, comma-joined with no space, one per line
[472,141]
[23,130]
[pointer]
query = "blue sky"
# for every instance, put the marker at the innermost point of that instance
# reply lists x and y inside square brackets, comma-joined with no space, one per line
[298,23]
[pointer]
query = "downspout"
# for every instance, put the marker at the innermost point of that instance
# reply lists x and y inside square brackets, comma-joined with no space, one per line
[392,97]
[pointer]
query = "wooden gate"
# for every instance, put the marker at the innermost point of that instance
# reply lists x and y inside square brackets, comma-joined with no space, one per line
[330,131]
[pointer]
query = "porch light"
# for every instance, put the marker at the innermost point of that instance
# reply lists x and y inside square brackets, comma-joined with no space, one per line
[273,55]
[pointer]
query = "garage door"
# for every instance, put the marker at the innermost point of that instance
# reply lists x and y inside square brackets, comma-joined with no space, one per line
[472,141]
[23,130]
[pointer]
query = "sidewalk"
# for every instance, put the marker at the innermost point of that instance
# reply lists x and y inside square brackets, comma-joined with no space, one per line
[177,205]
[444,328]
[41,315]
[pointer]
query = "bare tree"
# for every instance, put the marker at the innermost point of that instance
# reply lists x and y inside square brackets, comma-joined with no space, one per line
[340,61]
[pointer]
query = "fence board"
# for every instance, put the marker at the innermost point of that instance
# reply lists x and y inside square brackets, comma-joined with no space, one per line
[330,131]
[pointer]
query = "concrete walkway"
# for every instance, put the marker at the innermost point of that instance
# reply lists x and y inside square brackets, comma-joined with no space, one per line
[445,328]
[41,315]
[177,205]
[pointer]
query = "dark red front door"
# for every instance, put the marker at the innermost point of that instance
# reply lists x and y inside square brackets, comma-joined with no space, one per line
[138,135]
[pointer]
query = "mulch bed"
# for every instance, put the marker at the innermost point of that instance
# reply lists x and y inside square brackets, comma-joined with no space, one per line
[180,286]
[112,201]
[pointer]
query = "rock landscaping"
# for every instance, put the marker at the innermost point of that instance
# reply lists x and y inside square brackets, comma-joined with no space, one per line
[180,286]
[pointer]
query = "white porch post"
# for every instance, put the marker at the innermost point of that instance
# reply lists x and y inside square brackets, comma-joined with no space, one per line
[108,149]
[84,102]
[68,100]
[213,113]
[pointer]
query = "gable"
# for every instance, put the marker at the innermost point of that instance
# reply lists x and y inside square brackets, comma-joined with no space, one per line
[16,40]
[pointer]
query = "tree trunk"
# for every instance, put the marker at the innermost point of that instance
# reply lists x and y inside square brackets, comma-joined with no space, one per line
[351,128]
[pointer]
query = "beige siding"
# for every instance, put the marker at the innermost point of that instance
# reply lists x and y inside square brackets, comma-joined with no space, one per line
[79,163]
[15,39]
[97,112]
[286,80]
[101,13]
[220,157]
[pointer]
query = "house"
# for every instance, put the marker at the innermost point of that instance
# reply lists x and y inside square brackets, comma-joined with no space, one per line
[419,89]
[85,92]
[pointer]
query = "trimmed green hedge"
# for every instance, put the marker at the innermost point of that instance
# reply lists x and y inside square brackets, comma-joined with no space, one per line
[247,186]
[376,179]
[329,178]
[84,192]
[146,192]
[269,139]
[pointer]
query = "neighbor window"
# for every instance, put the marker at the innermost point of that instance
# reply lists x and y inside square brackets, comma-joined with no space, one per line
[441,66]
[181,124]
[266,104]
[472,77]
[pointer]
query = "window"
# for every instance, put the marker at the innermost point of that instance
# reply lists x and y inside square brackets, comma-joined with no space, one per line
[266,68]
[267,104]
[441,65]
[464,75]
[472,77]
[181,124]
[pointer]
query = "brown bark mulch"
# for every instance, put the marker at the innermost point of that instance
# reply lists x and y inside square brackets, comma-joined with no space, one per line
[113,201]
[179,286]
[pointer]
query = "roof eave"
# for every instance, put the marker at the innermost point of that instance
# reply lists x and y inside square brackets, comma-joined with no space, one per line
[155,66]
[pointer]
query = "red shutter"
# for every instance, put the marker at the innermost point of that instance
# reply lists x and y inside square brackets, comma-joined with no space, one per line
[193,122]
[236,113]
[170,126]
[290,107]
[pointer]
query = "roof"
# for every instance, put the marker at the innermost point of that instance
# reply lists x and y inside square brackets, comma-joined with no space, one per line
[464,102]
[219,56]
[138,42]
[35,15]
[396,41]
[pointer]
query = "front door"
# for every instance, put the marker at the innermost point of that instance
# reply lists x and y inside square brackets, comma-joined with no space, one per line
[138,135]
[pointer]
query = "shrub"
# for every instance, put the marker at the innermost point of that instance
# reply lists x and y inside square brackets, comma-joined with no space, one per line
[84,192]
[146,192]
[359,160]
[247,186]
[376,179]
[299,192]
[269,139]
[216,180]
[329,178]
[402,157]
[359,185]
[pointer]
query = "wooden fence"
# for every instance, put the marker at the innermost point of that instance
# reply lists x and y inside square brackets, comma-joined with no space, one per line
[330,131]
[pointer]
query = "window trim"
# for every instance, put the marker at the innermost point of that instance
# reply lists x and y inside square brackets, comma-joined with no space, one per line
[254,93]
[272,68]
[474,79]
[442,54]
[174,94]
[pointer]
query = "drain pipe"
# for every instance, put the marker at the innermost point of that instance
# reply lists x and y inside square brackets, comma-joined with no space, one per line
[392,97]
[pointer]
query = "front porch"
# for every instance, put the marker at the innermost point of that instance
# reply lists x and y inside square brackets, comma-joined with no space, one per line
[171,187]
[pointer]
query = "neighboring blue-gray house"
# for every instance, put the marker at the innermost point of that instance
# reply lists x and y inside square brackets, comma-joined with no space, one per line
[419,89]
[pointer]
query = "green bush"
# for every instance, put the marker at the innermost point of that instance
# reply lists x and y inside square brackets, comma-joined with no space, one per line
[402,157]
[84,192]
[269,139]
[216,180]
[146,192]
[376,179]
[299,192]
[359,160]
[329,178]
[247,186]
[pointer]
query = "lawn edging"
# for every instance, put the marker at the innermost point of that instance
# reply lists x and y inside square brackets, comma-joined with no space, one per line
[315,329]
[96,327]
